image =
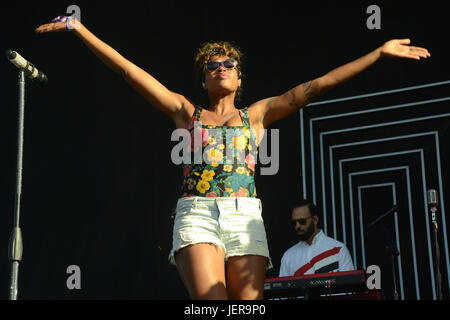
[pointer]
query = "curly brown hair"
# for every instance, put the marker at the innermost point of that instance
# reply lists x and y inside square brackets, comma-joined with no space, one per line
[223,48]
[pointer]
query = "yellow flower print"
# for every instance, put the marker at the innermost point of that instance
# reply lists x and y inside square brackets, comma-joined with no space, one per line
[227,168]
[203,186]
[246,132]
[208,175]
[239,142]
[241,170]
[214,155]
[211,140]
[191,183]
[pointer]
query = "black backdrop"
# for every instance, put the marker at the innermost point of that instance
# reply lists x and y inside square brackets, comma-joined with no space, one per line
[98,183]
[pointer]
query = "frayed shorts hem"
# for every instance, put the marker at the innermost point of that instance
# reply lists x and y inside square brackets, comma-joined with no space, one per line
[220,246]
[233,224]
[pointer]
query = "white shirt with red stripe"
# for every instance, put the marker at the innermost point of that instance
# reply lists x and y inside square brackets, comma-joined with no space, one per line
[325,254]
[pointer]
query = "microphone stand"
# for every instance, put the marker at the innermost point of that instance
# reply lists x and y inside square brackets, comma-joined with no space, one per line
[15,240]
[437,273]
[391,247]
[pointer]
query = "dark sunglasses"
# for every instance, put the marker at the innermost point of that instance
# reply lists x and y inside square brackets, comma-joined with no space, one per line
[214,65]
[300,221]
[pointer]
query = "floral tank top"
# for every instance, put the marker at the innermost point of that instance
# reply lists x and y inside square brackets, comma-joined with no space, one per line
[226,165]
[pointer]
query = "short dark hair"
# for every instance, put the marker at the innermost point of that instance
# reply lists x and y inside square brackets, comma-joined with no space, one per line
[224,48]
[313,209]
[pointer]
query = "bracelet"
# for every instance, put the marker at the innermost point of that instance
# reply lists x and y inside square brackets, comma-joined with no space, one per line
[68,21]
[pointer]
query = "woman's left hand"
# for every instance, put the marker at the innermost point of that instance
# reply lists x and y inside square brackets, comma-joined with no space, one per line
[400,48]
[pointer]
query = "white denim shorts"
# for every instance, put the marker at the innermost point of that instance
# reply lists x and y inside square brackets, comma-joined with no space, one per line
[233,224]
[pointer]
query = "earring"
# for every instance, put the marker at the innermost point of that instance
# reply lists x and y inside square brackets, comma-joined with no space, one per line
[239,81]
[203,85]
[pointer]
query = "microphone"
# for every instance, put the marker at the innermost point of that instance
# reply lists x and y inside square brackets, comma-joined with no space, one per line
[22,64]
[432,197]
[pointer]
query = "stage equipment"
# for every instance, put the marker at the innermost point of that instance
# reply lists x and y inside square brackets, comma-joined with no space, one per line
[15,241]
[331,285]
[391,247]
[432,200]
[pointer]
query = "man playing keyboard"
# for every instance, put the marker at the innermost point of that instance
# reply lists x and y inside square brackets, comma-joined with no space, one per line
[315,252]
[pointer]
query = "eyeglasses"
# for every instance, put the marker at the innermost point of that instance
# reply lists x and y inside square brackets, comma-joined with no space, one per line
[214,65]
[300,221]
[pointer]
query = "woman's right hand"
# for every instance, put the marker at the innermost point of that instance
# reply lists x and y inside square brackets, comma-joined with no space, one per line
[52,27]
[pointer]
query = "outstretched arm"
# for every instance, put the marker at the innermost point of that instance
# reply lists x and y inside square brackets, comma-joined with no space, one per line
[158,95]
[276,108]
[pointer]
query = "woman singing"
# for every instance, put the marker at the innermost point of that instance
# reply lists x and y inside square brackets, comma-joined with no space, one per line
[219,241]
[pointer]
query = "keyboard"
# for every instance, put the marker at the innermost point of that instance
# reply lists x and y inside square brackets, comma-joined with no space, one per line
[315,285]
